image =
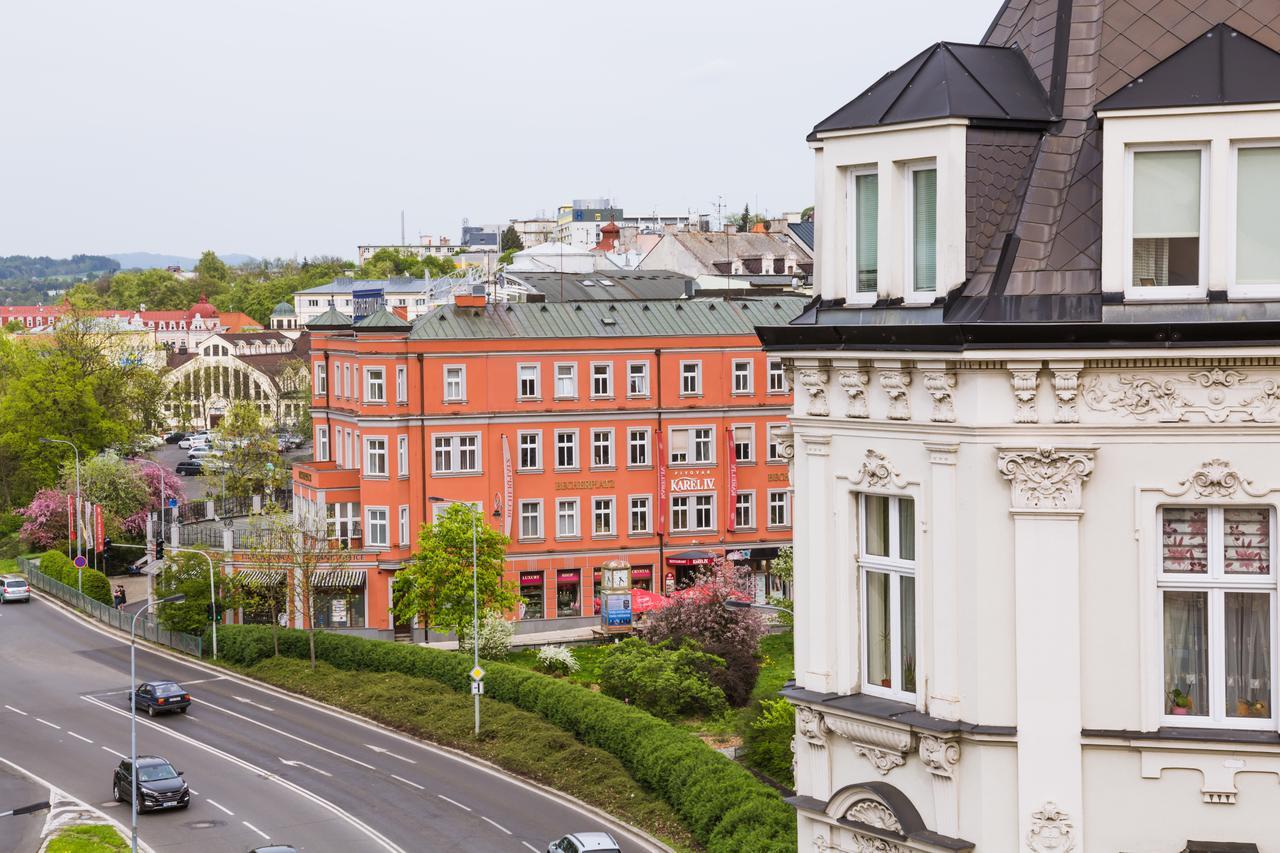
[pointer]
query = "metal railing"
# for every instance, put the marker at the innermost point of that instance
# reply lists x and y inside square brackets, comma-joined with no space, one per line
[209,536]
[148,628]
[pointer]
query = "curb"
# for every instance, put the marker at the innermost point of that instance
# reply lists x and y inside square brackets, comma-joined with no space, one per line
[650,843]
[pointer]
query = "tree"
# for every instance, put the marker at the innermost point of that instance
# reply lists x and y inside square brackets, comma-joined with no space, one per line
[188,574]
[47,519]
[211,267]
[806,215]
[114,484]
[152,476]
[510,240]
[251,460]
[436,583]
[745,220]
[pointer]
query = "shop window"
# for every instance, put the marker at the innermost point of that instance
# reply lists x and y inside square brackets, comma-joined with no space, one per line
[338,608]
[532,593]
[568,597]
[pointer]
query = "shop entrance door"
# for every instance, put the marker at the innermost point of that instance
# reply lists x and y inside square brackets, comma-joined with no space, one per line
[402,631]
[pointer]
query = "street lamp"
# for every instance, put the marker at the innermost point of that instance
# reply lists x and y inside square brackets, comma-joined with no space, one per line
[34,807]
[475,592]
[213,601]
[76,515]
[133,715]
[739,604]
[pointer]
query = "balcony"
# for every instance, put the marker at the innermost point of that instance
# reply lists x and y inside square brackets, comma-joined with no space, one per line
[325,475]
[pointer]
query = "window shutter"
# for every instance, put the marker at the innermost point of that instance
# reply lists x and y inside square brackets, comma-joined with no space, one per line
[1257,238]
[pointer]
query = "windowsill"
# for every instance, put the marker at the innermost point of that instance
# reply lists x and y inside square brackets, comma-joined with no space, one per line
[528,399]
[532,540]
[876,708]
[566,399]
[637,396]
[375,402]
[745,461]
[773,527]
[776,393]
[699,532]
[690,395]
[601,396]
[604,467]
[528,470]
[454,402]
[710,463]
[560,470]
[1190,734]
[637,533]
[645,467]
[568,538]
[747,393]
[743,528]
[603,536]
[376,477]
[776,462]
[1166,294]
[456,473]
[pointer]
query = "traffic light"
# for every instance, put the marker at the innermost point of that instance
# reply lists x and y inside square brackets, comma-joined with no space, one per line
[159,549]
[212,614]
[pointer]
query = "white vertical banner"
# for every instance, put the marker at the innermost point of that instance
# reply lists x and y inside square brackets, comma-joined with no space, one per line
[86,525]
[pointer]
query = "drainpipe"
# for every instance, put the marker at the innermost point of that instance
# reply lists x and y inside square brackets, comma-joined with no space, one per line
[658,467]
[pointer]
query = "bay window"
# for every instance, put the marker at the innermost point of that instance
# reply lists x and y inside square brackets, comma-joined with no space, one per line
[1217,599]
[1257,258]
[887,559]
[1167,209]
[923,198]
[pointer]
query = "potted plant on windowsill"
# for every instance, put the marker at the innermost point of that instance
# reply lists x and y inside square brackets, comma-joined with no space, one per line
[1245,708]
[1179,703]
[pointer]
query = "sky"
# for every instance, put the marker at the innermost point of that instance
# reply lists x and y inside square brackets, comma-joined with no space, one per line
[279,128]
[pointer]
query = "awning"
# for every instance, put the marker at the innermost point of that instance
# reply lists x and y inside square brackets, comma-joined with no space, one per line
[261,577]
[320,579]
[691,558]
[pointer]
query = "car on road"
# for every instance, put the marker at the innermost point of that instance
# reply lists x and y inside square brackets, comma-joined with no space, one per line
[174,437]
[159,785]
[190,468]
[14,589]
[161,697]
[584,842]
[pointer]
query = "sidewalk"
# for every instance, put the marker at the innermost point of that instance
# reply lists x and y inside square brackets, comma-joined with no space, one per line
[520,641]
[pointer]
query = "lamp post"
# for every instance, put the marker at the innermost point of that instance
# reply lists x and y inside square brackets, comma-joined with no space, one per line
[133,715]
[76,515]
[475,593]
[213,601]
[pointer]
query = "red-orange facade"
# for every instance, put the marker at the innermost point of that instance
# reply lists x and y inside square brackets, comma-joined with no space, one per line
[580,445]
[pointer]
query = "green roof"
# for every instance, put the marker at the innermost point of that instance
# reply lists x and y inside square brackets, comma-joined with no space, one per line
[331,319]
[622,319]
[284,309]
[382,319]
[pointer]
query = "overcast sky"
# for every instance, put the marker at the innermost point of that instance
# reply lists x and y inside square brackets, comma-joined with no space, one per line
[280,128]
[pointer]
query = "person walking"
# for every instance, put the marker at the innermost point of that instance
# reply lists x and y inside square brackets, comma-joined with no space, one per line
[115,596]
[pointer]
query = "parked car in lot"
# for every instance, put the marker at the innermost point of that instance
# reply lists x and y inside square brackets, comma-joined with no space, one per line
[584,842]
[159,785]
[174,437]
[161,697]
[14,589]
[195,438]
[203,452]
[190,468]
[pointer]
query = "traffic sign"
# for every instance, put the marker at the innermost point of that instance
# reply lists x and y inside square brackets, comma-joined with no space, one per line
[477,674]
[173,503]
[80,562]
[477,687]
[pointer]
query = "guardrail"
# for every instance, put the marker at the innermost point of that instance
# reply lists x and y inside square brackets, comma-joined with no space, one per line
[148,627]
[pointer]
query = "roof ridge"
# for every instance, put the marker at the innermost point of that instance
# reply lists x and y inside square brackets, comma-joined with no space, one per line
[927,54]
[946,46]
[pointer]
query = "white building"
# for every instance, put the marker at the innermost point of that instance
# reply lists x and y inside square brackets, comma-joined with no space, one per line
[427,247]
[1035,459]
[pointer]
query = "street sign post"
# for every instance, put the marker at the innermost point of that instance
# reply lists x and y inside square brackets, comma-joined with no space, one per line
[80,562]
[477,687]
[173,503]
[477,674]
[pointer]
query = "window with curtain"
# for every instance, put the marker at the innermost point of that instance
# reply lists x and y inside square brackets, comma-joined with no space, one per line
[866,195]
[887,559]
[924,229]
[1257,230]
[1217,589]
[1166,218]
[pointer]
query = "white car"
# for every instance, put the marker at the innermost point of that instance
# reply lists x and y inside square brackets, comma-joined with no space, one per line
[203,451]
[14,588]
[196,439]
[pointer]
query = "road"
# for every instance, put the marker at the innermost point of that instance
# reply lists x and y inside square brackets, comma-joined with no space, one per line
[261,765]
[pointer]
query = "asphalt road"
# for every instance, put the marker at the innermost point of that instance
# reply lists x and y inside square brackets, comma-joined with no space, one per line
[19,833]
[261,765]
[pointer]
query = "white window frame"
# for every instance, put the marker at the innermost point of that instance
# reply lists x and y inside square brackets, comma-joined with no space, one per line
[610,507]
[896,568]
[346,382]
[1269,290]
[696,375]
[694,502]
[910,294]
[455,452]
[606,376]
[785,494]
[536,379]
[1215,583]
[750,458]
[642,376]
[369,540]
[852,296]
[571,375]
[576,464]
[458,394]
[375,461]
[358,447]
[536,515]
[775,370]
[404,526]
[692,461]
[321,380]
[402,456]
[647,509]
[750,505]
[645,444]
[611,462]
[773,450]
[535,446]
[736,373]
[1170,293]
[322,444]
[402,383]
[573,505]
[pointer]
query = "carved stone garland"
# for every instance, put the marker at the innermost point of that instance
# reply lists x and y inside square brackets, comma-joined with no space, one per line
[877,471]
[815,386]
[885,748]
[1217,395]
[1025,385]
[1052,830]
[941,387]
[895,384]
[1044,478]
[854,383]
[1216,479]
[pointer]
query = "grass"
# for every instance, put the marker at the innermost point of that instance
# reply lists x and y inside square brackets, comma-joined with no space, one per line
[589,659]
[88,839]
[518,741]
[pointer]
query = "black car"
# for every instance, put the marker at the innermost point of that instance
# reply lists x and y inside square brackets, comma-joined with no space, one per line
[174,437]
[190,468]
[160,786]
[157,697]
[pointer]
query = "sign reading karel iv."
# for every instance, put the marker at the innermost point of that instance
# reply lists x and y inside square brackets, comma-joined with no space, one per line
[693,484]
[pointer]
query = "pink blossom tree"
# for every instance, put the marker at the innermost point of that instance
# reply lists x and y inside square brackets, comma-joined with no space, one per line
[136,522]
[46,519]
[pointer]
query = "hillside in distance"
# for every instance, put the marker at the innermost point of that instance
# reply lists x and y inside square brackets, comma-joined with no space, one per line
[155,260]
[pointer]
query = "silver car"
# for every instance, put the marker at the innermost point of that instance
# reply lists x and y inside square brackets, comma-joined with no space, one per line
[15,589]
[584,842]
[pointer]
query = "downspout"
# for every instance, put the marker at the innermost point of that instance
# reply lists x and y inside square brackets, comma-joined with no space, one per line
[422,382]
[657,467]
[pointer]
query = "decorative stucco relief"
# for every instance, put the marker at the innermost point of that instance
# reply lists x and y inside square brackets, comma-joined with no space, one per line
[1217,770]
[877,471]
[814,382]
[1052,830]
[1213,396]
[1025,385]
[1066,389]
[941,387]
[785,438]
[874,814]
[1045,478]
[940,756]
[854,383]
[809,726]
[895,384]
[870,844]
[885,748]
[1216,479]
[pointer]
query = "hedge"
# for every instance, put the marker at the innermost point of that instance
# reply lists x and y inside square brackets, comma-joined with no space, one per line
[58,566]
[724,806]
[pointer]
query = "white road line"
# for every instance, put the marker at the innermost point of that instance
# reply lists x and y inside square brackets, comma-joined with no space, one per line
[49,724]
[202,680]
[255,829]
[56,793]
[254,704]
[82,737]
[495,823]
[454,802]
[189,717]
[531,847]
[16,711]
[386,751]
[346,816]
[218,805]
[194,792]
[117,754]
[407,782]
[284,734]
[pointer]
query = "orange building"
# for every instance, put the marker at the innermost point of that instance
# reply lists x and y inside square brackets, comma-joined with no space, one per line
[584,431]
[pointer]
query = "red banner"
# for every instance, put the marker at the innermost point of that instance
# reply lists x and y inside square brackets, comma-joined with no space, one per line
[731,513]
[508,487]
[71,517]
[98,532]
[662,484]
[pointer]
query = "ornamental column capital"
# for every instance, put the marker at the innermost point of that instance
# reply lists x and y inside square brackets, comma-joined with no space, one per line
[1046,478]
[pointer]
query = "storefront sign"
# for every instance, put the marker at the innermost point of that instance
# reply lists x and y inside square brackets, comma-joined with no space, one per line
[731,510]
[641,574]
[570,575]
[531,578]
[662,485]
[693,484]
[366,302]
[338,610]
[777,476]
[573,485]
[304,476]
[617,609]
[508,486]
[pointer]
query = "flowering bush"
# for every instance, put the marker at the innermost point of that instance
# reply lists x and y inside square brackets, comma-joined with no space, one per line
[698,613]
[557,660]
[46,519]
[495,637]
[136,522]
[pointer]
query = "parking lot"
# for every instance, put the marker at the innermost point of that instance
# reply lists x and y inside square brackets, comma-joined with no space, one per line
[195,488]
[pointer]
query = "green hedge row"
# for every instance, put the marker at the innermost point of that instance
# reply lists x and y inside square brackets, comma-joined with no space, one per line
[58,566]
[722,804]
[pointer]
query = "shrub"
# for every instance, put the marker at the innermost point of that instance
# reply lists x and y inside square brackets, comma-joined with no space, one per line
[55,565]
[495,637]
[557,660]
[768,740]
[666,682]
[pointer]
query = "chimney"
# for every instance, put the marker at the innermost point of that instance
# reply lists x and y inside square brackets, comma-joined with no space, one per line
[475,299]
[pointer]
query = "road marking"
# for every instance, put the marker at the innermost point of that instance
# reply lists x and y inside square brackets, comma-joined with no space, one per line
[82,737]
[386,751]
[189,717]
[202,680]
[531,847]
[57,794]
[117,754]
[495,823]
[253,703]
[454,802]
[255,829]
[407,782]
[193,791]
[304,764]
[285,734]
[218,805]
[49,724]
[16,711]
[372,833]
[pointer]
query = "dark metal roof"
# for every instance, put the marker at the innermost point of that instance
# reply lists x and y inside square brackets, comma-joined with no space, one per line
[1222,66]
[803,232]
[993,84]
[604,284]
[331,319]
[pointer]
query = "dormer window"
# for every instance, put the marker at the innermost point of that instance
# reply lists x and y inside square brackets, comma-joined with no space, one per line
[1257,251]
[1167,213]
[923,216]
[864,211]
